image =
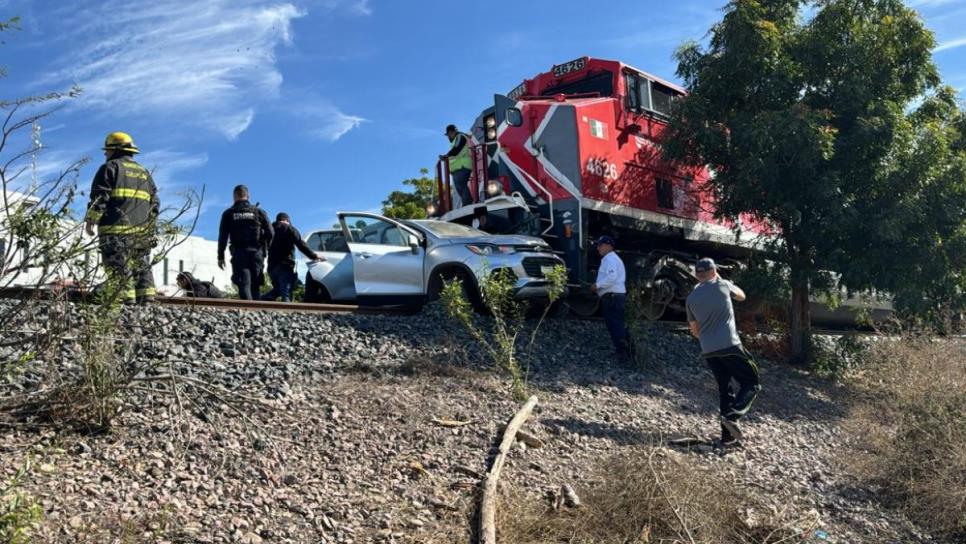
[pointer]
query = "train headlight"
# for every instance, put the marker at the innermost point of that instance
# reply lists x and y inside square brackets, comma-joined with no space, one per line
[493,187]
[431,210]
[490,121]
[491,134]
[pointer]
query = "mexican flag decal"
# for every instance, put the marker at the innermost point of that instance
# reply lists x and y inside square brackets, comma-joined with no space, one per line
[598,129]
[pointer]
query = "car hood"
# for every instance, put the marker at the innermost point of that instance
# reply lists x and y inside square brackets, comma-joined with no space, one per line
[500,240]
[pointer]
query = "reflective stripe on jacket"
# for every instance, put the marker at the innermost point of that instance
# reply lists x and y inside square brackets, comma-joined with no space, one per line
[463,158]
[124,198]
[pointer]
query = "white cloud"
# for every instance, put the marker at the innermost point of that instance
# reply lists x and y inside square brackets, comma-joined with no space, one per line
[165,163]
[320,117]
[361,7]
[336,125]
[201,64]
[950,44]
[355,7]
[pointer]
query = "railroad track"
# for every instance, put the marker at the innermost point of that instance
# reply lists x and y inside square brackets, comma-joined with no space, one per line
[305,307]
[265,305]
[220,303]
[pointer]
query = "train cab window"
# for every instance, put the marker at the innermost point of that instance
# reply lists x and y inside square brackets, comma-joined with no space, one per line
[638,91]
[661,98]
[665,193]
[601,83]
[632,84]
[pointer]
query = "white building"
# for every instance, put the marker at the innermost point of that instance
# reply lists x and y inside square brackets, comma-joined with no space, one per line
[192,254]
[196,255]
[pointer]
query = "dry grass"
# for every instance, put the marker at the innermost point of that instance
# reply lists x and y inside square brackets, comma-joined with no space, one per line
[649,497]
[912,430]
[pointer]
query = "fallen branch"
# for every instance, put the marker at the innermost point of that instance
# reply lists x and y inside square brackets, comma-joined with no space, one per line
[488,502]
[450,422]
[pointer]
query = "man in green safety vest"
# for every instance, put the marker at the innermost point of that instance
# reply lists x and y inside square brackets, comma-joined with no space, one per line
[460,164]
[124,206]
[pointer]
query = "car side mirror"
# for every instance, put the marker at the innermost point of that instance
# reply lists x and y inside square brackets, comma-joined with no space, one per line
[414,243]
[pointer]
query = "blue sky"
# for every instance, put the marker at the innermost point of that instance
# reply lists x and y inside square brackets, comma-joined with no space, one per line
[324,105]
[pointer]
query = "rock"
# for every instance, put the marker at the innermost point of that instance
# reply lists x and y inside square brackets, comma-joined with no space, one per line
[250,538]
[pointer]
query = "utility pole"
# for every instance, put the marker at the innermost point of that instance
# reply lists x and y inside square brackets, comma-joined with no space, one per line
[34,150]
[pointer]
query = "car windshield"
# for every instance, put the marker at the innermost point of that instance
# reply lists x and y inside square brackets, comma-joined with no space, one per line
[443,229]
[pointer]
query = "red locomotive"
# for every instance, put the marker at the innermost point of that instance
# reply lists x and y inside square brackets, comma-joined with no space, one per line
[574,153]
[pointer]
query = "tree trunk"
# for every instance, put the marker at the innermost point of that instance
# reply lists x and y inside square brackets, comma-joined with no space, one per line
[800,321]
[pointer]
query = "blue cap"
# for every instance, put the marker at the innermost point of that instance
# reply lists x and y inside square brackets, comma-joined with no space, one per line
[605,239]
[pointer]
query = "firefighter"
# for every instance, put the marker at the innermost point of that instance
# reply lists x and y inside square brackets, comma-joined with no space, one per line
[460,163]
[612,290]
[246,226]
[124,205]
[193,287]
[281,258]
[711,319]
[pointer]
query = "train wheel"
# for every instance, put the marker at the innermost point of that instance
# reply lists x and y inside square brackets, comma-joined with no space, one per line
[654,301]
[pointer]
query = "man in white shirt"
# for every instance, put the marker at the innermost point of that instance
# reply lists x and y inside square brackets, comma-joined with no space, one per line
[610,287]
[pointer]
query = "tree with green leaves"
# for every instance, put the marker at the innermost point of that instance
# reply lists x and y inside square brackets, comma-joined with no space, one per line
[909,238]
[411,204]
[797,106]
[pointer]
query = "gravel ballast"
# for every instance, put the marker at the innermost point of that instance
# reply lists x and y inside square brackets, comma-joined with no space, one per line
[335,441]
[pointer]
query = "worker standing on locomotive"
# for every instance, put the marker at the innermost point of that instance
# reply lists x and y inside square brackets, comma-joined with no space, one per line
[612,290]
[281,258]
[246,226]
[124,205]
[460,163]
[711,318]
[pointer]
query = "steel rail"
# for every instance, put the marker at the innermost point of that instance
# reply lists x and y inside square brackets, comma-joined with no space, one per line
[219,303]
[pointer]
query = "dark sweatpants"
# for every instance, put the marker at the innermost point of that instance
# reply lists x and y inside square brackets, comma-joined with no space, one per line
[734,364]
[246,273]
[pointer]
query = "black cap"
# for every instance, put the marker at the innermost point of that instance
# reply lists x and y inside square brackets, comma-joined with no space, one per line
[282,216]
[450,128]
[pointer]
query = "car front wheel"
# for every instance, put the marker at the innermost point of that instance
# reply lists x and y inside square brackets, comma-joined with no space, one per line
[314,291]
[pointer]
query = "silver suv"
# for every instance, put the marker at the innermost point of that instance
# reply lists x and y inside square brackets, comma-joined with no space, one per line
[375,260]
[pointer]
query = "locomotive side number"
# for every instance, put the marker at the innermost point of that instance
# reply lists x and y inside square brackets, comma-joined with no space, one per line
[600,167]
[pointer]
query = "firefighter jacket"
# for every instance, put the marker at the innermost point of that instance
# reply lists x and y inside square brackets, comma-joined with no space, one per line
[124,199]
[245,227]
[282,250]
[459,153]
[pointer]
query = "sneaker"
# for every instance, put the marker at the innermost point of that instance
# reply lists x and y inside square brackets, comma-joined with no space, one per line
[732,427]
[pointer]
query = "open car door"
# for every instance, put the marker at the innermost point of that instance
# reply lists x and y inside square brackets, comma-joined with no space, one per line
[387,259]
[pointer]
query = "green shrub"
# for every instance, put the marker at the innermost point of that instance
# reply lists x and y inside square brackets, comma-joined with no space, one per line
[19,512]
[499,337]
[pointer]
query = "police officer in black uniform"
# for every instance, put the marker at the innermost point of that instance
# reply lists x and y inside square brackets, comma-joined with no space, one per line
[250,233]
[281,258]
[124,205]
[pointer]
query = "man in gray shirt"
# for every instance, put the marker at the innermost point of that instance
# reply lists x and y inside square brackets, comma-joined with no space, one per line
[711,318]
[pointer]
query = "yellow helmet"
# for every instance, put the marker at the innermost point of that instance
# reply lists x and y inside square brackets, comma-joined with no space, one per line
[120,141]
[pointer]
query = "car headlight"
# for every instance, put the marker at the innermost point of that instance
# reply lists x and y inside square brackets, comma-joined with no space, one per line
[493,187]
[490,249]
